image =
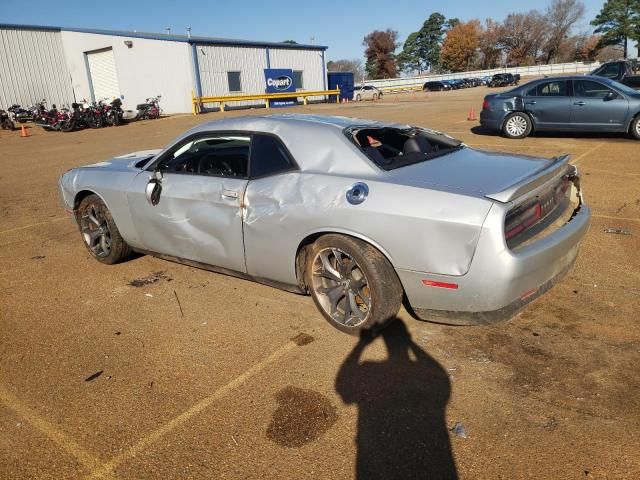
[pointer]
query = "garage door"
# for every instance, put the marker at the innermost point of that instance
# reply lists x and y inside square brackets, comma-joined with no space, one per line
[104,79]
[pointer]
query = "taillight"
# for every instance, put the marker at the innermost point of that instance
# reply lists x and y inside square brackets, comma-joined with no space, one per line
[485,104]
[522,219]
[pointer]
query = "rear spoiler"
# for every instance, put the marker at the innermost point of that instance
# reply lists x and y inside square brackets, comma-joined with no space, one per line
[557,167]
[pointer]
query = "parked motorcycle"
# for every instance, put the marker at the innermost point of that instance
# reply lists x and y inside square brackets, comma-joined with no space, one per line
[50,119]
[113,113]
[5,121]
[77,119]
[149,110]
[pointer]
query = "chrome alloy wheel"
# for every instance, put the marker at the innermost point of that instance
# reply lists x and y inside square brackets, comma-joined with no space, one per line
[638,129]
[95,231]
[516,125]
[341,287]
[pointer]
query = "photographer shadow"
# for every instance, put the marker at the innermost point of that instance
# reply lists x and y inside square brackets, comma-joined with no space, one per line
[402,433]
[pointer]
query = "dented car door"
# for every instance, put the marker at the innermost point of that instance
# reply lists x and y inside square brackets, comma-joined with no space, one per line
[189,204]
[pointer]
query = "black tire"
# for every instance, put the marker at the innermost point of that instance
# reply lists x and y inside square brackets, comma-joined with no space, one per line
[375,97]
[97,121]
[99,232]
[635,127]
[517,125]
[362,270]
[358,98]
[68,125]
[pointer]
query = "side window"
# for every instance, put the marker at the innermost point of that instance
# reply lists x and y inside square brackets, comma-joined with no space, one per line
[552,89]
[216,155]
[268,156]
[297,79]
[590,89]
[234,81]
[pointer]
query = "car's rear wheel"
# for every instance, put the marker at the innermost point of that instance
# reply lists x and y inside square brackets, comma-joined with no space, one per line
[375,97]
[635,127]
[353,285]
[517,125]
[100,233]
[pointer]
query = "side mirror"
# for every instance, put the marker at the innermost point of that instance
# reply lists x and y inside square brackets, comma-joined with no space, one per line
[610,96]
[154,188]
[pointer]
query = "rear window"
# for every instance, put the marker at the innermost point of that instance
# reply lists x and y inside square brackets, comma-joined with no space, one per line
[390,148]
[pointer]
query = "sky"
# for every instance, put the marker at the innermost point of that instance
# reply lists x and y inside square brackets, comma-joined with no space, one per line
[340,25]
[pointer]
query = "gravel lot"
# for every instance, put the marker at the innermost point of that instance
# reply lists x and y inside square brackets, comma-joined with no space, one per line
[150,369]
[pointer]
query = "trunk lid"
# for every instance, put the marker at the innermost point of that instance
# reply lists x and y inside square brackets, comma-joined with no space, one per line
[495,175]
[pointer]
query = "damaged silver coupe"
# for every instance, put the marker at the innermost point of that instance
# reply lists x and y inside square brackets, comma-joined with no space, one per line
[360,214]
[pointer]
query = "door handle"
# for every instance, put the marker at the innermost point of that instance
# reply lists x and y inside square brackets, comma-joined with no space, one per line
[230,194]
[531,103]
[581,103]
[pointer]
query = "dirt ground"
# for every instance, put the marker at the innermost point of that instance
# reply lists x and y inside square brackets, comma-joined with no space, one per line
[154,370]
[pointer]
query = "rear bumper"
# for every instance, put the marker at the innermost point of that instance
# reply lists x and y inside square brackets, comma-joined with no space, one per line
[491,119]
[500,281]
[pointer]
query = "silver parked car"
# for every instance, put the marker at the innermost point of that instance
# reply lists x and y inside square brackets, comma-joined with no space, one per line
[357,213]
[366,92]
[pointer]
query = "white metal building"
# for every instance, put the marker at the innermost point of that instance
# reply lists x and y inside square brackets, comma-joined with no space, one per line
[64,65]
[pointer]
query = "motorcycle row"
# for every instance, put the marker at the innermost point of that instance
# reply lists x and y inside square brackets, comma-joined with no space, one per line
[81,115]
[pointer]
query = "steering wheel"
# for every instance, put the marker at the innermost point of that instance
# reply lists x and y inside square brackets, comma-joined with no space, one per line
[222,168]
[226,168]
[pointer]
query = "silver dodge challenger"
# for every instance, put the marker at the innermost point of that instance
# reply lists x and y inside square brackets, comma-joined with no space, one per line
[362,215]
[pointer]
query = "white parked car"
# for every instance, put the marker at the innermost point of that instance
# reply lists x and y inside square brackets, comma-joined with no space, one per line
[366,92]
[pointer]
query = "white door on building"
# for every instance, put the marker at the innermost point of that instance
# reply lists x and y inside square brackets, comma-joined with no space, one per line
[104,78]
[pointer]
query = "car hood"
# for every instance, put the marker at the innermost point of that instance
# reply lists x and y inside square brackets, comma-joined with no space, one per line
[471,172]
[125,162]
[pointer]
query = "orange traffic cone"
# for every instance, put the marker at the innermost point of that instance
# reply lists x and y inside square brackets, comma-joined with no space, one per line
[23,131]
[472,114]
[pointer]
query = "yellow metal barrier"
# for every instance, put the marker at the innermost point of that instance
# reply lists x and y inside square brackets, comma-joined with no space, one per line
[222,100]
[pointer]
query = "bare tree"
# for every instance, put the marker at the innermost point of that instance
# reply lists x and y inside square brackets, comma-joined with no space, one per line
[489,47]
[355,65]
[560,16]
[522,37]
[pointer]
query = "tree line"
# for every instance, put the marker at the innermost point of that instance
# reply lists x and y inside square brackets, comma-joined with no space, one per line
[534,37]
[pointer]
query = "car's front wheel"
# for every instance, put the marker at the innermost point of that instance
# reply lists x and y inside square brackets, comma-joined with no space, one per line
[353,285]
[635,127]
[100,233]
[517,125]
[358,98]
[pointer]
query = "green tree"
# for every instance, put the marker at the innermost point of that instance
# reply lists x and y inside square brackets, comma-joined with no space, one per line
[430,38]
[617,22]
[409,59]
[421,50]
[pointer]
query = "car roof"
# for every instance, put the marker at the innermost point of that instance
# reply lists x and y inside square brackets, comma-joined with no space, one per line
[316,142]
[271,123]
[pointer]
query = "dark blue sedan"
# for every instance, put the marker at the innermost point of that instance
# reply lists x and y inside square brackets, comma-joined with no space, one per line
[585,104]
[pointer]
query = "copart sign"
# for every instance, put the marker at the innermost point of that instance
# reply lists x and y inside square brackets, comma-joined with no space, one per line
[280,80]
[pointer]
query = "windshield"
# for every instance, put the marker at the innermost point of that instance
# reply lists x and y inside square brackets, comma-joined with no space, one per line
[390,148]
